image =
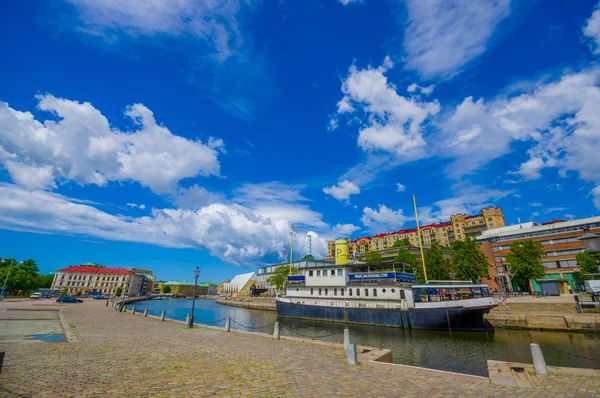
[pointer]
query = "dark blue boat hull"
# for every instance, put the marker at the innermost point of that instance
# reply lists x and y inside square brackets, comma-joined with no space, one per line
[459,319]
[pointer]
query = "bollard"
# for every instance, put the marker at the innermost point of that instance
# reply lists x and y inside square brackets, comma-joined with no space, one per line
[346,337]
[121,307]
[1,360]
[227,324]
[107,302]
[133,310]
[276,331]
[188,320]
[162,315]
[539,363]
[145,312]
[352,354]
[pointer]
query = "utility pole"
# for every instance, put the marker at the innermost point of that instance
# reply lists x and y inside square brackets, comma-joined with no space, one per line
[420,242]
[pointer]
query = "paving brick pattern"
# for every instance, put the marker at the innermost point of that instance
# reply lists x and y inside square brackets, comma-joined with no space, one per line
[125,355]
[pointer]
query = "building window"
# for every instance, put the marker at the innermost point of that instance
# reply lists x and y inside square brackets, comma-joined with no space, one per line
[310,273]
[342,291]
[374,292]
[402,294]
[318,272]
[383,290]
[335,292]
[340,272]
[489,218]
[393,290]
[358,292]
[324,272]
[326,291]
[366,292]
[319,291]
[349,292]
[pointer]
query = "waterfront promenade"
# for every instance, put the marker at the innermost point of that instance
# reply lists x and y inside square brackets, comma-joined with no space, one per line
[125,355]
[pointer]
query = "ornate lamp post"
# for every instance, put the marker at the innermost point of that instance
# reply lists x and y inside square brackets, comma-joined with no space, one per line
[196,275]
[591,242]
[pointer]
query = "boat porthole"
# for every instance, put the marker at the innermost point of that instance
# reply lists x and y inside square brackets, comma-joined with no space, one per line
[393,290]
[383,290]
[296,289]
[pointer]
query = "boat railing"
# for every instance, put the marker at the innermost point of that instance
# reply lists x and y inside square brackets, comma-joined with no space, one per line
[434,294]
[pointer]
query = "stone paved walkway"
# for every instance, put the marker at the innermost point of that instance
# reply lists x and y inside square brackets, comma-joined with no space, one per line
[122,355]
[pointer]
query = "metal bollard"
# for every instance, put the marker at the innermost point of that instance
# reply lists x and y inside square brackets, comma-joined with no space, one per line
[146,312]
[352,354]
[121,307]
[539,363]
[1,360]
[133,310]
[107,302]
[227,324]
[276,331]
[188,321]
[346,337]
[162,315]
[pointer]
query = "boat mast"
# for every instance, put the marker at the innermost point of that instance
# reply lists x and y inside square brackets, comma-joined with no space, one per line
[419,235]
[291,246]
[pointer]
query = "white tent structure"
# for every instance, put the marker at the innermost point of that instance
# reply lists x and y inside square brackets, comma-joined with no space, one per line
[240,283]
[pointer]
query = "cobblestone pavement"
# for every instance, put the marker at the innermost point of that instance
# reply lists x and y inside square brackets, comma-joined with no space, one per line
[125,355]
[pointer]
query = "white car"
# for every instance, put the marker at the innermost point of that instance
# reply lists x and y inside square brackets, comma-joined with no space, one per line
[35,296]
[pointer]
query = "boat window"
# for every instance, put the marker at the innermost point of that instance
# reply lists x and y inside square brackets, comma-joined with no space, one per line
[326,291]
[383,290]
[318,272]
[297,289]
[324,272]
[374,292]
[319,291]
[342,291]
[366,292]
[311,291]
[393,290]
[402,295]
[340,272]
[349,292]
[310,273]
[358,292]
[332,272]
[335,292]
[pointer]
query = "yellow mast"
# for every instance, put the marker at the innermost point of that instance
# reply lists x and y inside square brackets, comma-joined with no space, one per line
[291,246]
[420,242]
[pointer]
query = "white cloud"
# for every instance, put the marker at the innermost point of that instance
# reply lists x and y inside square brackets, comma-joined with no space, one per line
[400,187]
[469,200]
[392,123]
[345,229]
[81,146]
[415,88]
[535,204]
[596,196]
[442,36]
[232,232]
[135,205]
[346,2]
[342,190]
[195,197]
[592,30]
[383,218]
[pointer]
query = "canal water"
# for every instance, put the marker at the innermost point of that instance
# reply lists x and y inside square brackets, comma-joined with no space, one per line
[463,352]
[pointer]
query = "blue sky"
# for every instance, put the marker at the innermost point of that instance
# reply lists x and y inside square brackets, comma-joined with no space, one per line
[170,134]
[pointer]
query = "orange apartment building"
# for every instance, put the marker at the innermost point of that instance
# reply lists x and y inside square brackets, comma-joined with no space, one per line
[459,227]
[560,241]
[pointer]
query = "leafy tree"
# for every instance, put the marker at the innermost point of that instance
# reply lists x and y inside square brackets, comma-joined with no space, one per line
[525,261]
[469,261]
[402,242]
[588,264]
[438,268]
[373,258]
[119,292]
[308,257]
[405,256]
[279,277]
[23,276]
[63,292]
[166,289]
[46,281]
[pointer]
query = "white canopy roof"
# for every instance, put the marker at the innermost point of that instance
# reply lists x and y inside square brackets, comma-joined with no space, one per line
[238,282]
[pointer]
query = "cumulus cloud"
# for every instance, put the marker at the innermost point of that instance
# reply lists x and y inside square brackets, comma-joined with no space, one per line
[79,145]
[195,197]
[400,187]
[383,218]
[345,229]
[342,190]
[135,205]
[442,36]
[591,30]
[391,122]
[596,196]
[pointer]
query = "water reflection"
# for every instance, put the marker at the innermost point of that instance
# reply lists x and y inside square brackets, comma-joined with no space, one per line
[464,352]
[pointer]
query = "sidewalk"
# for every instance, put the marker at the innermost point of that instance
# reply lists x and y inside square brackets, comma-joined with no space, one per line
[127,355]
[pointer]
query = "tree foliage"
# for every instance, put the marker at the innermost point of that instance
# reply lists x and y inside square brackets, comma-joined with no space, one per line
[469,261]
[588,264]
[279,277]
[308,257]
[405,256]
[166,289]
[46,281]
[119,292]
[525,261]
[373,258]
[402,242]
[23,276]
[438,268]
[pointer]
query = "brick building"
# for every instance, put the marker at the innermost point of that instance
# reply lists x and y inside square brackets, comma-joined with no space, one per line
[560,241]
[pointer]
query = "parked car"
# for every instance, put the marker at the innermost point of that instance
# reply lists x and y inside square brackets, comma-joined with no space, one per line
[101,297]
[35,296]
[68,299]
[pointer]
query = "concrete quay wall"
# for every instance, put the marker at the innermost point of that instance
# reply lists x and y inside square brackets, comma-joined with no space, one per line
[259,305]
[556,322]
[536,308]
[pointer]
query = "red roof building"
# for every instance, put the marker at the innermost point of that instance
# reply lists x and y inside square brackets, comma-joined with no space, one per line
[90,277]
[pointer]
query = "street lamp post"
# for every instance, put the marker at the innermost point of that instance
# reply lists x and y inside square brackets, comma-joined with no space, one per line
[196,275]
[6,279]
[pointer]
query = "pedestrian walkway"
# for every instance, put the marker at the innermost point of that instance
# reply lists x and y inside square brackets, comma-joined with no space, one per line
[125,355]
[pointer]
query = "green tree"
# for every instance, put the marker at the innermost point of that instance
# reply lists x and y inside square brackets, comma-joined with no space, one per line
[166,289]
[308,257]
[525,261]
[588,264]
[469,262]
[63,292]
[438,268]
[373,258]
[402,242]
[405,256]
[23,276]
[119,292]
[279,277]
[46,281]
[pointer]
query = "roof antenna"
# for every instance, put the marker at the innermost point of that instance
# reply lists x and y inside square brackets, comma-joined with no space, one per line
[520,226]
